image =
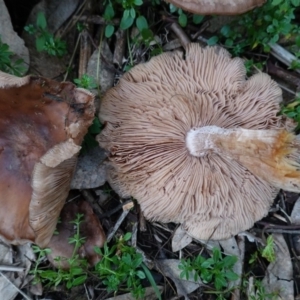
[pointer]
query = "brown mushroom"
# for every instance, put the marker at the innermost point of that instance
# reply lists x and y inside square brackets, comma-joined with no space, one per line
[90,229]
[42,124]
[196,143]
[218,7]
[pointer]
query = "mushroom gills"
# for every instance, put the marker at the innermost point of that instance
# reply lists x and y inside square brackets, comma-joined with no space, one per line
[273,155]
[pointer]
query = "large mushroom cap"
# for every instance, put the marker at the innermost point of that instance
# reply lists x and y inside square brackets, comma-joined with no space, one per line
[229,181]
[218,7]
[42,124]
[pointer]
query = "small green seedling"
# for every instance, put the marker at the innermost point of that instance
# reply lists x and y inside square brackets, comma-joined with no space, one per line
[45,41]
[260,291]
[7,63]
[216,270]
[122,266]
[268,252]
[292,110]
[77,273]
[260,27]
[86,82]
[129,15]
[183,17]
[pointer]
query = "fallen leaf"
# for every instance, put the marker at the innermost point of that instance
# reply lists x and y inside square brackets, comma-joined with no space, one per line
[180,239]
[279,275]
[169,268]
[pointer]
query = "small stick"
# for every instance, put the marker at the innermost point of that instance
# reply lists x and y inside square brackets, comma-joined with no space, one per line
[85,53]
[143,226]
[117,225]
[134,235]
[183,38]
[11,268]
[97,20]
[22,293]
[283,74]
[283,55]
[87,195]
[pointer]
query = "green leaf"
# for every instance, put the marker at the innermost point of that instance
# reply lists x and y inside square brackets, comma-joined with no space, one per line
[138,2]
[41,21]
[212,41]
[79,280]
[109,12]
[109,30]
[231,276]
[127,235]
[197,19]
[182,19]
[151,280]
[225,30]
[126,13]
[40,43]
[229,261]
[126,23]
[276,2]
[141,23]
[216,255]
[76,271]
[137,261]
[132,13]
[126,258]
[296,3]
[298,40]
[208,263]
[229,42]
[141,274]
[220,282]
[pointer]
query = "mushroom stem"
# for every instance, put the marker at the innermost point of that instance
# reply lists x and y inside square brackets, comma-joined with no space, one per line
[272,155]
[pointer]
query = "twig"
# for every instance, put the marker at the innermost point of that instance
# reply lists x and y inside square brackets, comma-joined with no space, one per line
[274,226]
[72,57]
[85,53]
[183,38]
[134,235]
[11,268]
[283,74]
[142,220]
[114,210]
[97,20]
[67,28]
[91,200]
[271,230]
[117,225]
[22,293]
[283,55]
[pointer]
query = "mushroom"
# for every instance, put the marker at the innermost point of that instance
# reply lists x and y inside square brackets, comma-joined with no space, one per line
[218,7]
[42,124]
[196,143]
[90,230]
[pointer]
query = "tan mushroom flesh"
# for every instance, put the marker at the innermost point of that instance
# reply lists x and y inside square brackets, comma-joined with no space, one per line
[196,143]
[217,7]
[42,124]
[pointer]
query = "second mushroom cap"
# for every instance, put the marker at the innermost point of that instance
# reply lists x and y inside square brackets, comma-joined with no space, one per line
[196,143]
